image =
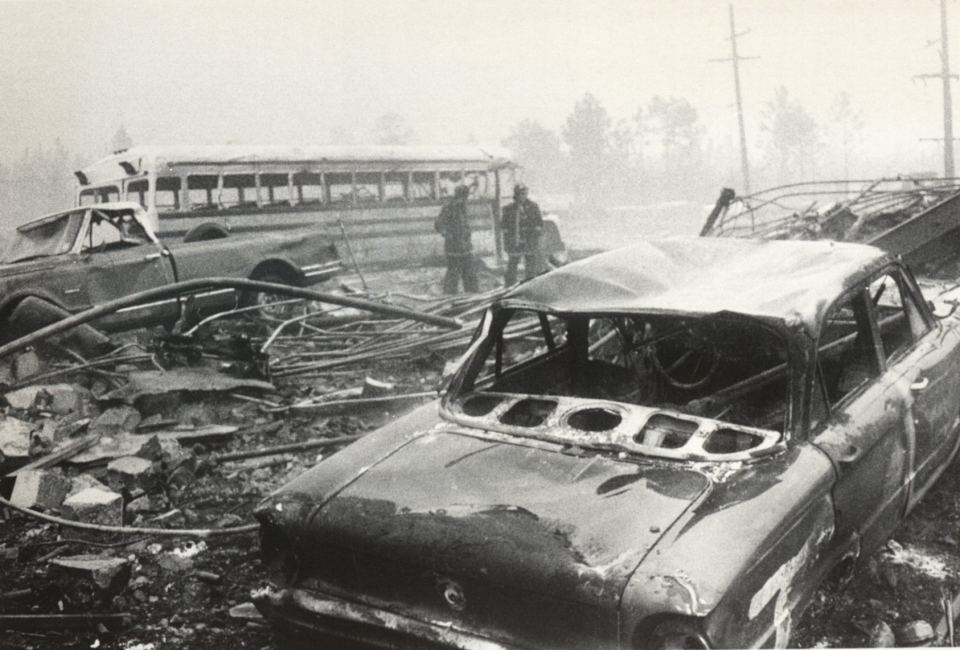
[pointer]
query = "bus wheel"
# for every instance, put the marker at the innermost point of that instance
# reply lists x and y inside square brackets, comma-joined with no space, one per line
[271,304]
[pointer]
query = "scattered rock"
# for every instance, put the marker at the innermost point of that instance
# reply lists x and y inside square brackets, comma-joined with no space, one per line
[26,364]
[60,399]
[116,421]
[93,506]
[174,563]
[246,612]
[81,482]
[375,388]
[44,489]
[14,443]
[89,579]
[881,636]
[132,473]
[9,555]
[915,634]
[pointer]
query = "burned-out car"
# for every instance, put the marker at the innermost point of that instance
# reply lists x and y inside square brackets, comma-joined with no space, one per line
[67,262]
[669,445]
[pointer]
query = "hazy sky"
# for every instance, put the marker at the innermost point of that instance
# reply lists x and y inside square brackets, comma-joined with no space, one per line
[303,72]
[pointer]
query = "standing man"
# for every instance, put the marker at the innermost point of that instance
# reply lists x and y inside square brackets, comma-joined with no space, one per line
[454,225]
[522,225]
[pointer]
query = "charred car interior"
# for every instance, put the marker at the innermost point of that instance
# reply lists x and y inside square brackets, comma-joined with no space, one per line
[722,368]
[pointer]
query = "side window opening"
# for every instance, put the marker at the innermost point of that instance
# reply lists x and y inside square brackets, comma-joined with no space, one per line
[202,191]
[167,196]
[340,187]
[96,195]
[899,318]
[847,354]
[367,187]
[275,189]
[448,182]
[395,186]
[239,190]
[308,187]
[137,192]
[423,186]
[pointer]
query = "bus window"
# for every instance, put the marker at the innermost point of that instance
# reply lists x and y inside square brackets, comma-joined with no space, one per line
[395,186]
[423,187]
[340,187]
[239,190]
[479,185]
[368,186]
[448,181]
[137,191]
[274,189]
[99,195]
[202,191]
[309,187]
[167,198]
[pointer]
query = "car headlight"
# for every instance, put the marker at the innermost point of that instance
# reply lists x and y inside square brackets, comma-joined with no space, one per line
[670,633]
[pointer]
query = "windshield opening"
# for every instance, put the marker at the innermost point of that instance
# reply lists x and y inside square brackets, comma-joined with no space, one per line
[43,238]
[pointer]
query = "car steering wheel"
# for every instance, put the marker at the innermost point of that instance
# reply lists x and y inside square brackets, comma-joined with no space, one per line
[687,359]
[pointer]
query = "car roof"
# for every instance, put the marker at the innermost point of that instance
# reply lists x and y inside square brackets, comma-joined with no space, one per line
[788,282]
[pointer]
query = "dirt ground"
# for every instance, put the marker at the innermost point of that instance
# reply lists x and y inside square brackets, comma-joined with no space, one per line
[184,593]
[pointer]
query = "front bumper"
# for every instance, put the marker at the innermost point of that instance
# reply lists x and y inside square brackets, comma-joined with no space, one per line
[330,617]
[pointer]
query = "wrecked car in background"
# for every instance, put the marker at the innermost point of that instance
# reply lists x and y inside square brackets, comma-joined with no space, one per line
[665,446]
[67,262]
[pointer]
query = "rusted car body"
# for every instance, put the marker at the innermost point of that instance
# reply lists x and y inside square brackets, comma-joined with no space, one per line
[67,262]
[669,445]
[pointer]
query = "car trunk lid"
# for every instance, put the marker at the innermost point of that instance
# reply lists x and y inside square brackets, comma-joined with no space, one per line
[483,529]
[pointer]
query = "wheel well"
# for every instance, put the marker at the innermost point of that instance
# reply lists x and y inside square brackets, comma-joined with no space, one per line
[206,232]
[277,268]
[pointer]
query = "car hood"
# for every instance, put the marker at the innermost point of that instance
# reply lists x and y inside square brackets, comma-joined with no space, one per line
[521,516]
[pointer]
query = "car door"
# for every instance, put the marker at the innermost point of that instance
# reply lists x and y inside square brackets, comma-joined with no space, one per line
[925,355]
[860,410]
[120,261]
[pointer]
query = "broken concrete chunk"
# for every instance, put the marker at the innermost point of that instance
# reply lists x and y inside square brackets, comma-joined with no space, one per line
[59,399]
[116,421]
[132,473]
[9,554]
[168,451]
[14,442]
[93,506]
[82,482]
[915,633]
[43,489]
[108,448]
[89,579]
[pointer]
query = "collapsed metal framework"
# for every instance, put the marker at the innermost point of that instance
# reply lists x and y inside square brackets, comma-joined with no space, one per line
[917,218]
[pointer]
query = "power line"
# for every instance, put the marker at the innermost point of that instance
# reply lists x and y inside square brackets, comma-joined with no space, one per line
[735,58]
[945,76]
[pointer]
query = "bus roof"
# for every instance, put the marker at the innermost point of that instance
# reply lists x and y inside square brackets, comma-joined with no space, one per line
[143,158]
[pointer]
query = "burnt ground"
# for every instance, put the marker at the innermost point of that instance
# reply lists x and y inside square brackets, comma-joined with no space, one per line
[198,601]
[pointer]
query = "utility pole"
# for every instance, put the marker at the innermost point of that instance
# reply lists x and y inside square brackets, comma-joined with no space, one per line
[945,76]
[735,58]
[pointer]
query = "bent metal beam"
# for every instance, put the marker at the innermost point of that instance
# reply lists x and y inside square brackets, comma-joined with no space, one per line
[191,286]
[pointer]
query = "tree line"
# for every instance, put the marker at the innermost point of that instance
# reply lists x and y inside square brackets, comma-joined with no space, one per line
[662,151]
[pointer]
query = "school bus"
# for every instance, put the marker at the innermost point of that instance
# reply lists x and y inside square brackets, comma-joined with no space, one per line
[378,203]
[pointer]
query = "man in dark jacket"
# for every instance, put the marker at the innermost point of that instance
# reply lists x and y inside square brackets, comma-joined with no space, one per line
[454,225]
[522,224]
